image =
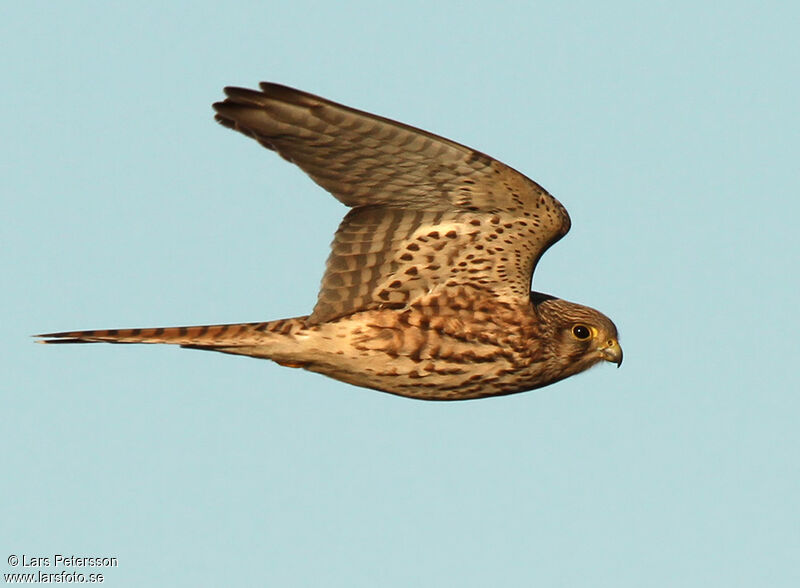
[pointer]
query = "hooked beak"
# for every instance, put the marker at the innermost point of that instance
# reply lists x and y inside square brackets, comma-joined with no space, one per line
[612,352]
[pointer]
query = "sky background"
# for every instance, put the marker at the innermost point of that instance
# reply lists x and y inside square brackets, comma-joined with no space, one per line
[670,132]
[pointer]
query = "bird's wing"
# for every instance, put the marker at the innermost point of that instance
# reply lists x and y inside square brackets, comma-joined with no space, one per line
[427,212]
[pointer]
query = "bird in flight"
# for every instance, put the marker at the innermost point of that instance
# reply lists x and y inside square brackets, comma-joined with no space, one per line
[427,290]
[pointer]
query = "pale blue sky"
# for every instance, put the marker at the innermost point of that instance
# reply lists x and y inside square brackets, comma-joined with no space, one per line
[668,129]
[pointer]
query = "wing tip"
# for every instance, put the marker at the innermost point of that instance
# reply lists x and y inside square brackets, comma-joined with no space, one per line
[268,92]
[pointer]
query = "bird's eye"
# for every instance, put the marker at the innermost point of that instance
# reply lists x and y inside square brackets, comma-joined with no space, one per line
[581,332]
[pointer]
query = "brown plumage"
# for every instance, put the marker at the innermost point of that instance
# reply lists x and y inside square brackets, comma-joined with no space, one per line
[427,289]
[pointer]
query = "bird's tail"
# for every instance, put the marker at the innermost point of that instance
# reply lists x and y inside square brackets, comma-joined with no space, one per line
[255,339]
[199,335]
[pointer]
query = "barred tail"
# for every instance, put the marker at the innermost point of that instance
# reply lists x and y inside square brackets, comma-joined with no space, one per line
[273,340]
[202,336]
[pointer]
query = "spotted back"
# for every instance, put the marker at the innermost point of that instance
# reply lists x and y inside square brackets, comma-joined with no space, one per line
[427,212]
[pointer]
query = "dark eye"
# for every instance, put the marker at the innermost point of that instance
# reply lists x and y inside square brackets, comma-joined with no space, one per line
[581,332]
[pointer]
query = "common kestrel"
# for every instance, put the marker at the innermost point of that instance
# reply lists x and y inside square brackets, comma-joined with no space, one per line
[427,291]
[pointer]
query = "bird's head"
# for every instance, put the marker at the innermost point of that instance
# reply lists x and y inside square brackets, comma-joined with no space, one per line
[579,336]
